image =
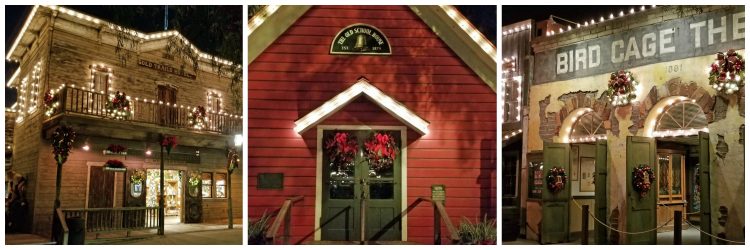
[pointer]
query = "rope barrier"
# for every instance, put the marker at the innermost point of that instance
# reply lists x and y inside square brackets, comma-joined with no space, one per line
[685,221]
[713,236]
[620,231]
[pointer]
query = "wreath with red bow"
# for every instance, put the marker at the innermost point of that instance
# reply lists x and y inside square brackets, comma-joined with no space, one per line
[381,150]
[727,72]
[643,177]
[119,106]
[621,88]
[341,148]
[197,117]
[50,102]
[556,179]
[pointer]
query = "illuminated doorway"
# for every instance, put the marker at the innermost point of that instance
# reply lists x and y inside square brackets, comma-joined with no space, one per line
[173,183]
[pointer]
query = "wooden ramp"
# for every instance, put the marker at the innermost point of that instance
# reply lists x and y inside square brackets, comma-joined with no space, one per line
[27,239]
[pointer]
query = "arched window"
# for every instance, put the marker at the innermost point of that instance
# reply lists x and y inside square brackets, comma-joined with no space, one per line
[587,128]
[682,117]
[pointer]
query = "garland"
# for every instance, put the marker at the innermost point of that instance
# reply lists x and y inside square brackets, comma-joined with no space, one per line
[50,102]
[62,142]
[119,106]
[556,179]
[114,164]
[195,179]
[621,88]
[727,73]
[116,148]
[381,150]
[137,176]
[169,142]
[197,118]
[341,148]
[643,176]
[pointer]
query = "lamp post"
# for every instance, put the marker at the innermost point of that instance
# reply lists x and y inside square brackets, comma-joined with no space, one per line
[233,162]
[167,142]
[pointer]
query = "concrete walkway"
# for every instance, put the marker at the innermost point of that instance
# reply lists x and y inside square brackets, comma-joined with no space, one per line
[212,237]
[690,236]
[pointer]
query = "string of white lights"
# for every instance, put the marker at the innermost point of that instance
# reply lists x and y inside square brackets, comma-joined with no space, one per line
[592,22]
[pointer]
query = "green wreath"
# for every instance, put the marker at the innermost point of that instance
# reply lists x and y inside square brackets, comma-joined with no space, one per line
[556,179]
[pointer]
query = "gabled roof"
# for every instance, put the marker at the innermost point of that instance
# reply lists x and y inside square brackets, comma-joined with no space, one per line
[447,23]
[362,87]
[96,29]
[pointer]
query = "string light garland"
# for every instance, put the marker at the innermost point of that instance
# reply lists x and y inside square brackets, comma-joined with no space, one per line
[118,106]
[512,134]
[727,73]
[601,19]
[197,118]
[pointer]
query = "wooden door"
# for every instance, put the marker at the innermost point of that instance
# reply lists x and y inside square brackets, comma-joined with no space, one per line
[555,205]
[101,194]
[193,200]
[134,195]
[641,210]
[167,114]
[601,197]
[704,158]
[345,189]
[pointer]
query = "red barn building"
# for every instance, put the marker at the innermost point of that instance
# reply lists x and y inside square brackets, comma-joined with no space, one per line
[420,78]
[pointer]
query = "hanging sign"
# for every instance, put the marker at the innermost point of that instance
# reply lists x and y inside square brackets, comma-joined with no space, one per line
[361,39]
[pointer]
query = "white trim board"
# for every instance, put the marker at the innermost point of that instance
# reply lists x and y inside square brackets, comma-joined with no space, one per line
[319,172]
[362,87]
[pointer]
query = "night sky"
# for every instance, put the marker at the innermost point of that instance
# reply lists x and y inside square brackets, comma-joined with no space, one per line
[142,18]
[576,13]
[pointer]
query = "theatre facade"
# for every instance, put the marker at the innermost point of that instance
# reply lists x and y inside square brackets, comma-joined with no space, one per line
[121,91]
[637,116]
[375,123]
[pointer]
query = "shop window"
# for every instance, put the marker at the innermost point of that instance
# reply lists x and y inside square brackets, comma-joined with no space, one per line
[671,177]
[536,179]
[221,185]
[510,175]
[207,181]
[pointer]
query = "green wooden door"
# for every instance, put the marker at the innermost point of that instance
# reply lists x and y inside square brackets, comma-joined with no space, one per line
[601,199]
[555,206]
[641,211]
[705,185]
[345,189]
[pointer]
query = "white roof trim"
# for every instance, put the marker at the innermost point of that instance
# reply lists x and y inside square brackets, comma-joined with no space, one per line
[13,78]
[362,87]
[83,18]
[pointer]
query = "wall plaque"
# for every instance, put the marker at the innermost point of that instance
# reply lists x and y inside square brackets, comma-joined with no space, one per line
[438,192]
[270,181]
[361,39]
[165,68]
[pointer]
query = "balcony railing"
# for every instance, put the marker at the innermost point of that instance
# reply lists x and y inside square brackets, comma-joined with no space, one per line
[73,100]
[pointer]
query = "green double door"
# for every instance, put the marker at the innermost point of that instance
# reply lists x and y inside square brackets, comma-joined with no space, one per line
[351,194]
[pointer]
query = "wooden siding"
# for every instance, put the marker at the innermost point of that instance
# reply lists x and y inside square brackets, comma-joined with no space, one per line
[296,74]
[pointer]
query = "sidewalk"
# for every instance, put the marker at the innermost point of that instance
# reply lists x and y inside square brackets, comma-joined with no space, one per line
[690,236]
[185,236]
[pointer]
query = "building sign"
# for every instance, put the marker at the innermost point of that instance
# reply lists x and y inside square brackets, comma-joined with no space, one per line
[438,192]
[361,39]
[692,36]
[165,68]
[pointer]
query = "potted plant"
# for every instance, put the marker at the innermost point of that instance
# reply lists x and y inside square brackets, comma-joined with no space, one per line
[256,232]
[479,233]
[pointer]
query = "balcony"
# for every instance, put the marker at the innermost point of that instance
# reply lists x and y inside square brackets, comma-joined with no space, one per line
[86,110]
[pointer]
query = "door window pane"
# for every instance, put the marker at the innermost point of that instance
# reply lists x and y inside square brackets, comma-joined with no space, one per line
[381,190]
[341,188]
[676,174]
[664,174]
[221,188]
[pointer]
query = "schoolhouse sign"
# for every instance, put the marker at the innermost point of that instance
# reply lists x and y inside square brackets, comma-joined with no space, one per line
[360,39]
[680,38]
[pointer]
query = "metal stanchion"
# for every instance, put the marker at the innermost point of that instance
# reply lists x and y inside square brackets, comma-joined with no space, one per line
[678,227]
[585,225]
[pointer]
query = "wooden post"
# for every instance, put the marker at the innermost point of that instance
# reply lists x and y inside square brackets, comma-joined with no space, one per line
[436,223]
[230,219]
[585,225]
[58,185]
[288,224]
[677,227]
[362,219]
[160,231]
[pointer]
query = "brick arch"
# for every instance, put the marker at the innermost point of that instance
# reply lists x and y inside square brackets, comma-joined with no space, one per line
[550,122]
[676,87]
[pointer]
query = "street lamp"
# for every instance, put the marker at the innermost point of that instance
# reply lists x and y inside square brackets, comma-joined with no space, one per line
[233,162]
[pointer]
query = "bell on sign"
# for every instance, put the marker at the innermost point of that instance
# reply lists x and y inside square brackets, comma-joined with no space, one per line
[363,39]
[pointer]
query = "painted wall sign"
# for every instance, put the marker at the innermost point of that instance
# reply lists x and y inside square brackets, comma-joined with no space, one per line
[361,39]
[692,36]
[165,68]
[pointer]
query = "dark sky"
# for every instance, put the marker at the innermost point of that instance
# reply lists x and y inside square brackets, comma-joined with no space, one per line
[576,13]
[142,18]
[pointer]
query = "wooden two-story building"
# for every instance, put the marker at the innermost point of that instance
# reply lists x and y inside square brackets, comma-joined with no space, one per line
[330,85]
[80,71]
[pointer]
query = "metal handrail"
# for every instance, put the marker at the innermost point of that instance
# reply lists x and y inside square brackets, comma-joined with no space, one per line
[63,224]
[285,215]
[439,214]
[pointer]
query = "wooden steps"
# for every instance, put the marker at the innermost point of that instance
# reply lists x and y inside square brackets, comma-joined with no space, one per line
[27,239]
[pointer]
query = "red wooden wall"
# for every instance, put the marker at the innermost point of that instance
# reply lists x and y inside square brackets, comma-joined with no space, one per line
[297,74]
